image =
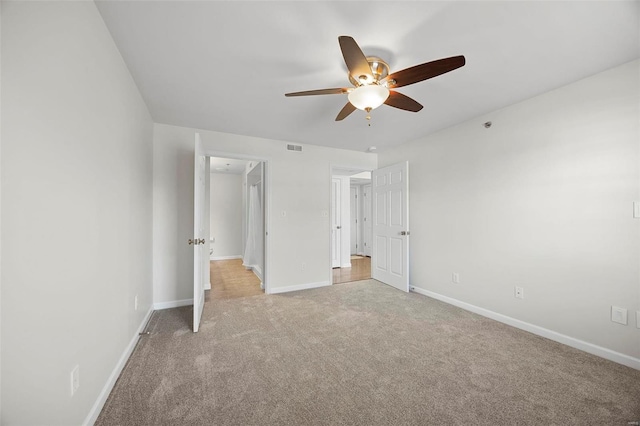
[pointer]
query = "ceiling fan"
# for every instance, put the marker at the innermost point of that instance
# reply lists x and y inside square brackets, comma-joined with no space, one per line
[372,83]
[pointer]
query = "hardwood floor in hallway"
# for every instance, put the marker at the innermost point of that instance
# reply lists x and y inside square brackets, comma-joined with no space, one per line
[230,280]
[360,270]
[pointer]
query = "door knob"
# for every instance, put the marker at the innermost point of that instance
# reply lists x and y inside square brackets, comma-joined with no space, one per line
[404,233]
[338,227]
[196,242]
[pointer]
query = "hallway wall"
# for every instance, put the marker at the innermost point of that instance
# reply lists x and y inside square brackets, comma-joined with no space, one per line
[226,215]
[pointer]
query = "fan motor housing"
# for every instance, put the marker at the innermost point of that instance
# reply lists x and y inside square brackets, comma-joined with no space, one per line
[379,69]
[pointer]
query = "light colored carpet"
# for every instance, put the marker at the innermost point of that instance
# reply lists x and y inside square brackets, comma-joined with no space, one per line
[360,354]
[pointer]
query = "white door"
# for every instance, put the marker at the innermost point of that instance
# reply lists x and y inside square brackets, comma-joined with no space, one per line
[366,220]
[390,259]
[336,234]
[354,220]
[199,233]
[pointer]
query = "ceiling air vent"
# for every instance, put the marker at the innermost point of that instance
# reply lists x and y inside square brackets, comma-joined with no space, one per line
[294,147]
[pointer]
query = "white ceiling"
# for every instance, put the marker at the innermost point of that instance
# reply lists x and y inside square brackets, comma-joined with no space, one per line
[227,165]
[225,66]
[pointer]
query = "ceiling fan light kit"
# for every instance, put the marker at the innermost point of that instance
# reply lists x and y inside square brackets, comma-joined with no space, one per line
[368,97]
[373,83]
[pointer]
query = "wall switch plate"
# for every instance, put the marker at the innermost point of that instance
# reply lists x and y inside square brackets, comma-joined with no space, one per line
[619,315]
[75,379]
[455,277]
[519,292]
[636,209]
[135,303]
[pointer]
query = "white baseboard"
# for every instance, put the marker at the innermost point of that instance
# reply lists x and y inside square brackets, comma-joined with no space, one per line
[172,304]
[346,265]
[111,381]
[257,272]
[605,353]
[298,287]
[235,256]
[207,286]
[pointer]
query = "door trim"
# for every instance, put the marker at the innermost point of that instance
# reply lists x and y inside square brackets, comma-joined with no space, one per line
[332,167]
[266,274]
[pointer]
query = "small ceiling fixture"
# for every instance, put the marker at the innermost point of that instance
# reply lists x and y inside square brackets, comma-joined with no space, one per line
[487,124]
[373,84]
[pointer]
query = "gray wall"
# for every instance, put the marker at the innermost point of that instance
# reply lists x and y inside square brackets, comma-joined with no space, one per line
[542,200]
[76,210]
[226,214]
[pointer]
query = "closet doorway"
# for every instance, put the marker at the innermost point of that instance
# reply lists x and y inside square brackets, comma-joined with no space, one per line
[351,230]
[237,227]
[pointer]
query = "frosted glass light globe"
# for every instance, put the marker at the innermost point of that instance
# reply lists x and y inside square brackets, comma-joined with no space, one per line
[369,96]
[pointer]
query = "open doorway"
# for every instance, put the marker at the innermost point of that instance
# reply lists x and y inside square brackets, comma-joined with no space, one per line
[236,192]
[351,231]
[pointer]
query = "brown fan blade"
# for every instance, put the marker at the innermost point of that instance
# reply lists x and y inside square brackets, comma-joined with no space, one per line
[398,100]
[356,62]
[425,71]
[344,112]
[318,92]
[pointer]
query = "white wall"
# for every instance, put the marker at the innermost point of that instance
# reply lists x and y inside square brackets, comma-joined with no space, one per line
[300,185]
[76,210]
[542,200]
[226,214]
[0,214]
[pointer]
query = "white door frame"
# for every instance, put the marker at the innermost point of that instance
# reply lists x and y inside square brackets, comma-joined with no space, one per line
[367,243]
[355,210]
[266,273]
[336,222]
[332,167]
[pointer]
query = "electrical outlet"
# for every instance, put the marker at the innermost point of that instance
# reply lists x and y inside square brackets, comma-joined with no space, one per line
[619,315]
[75,379]
[519,292]
[455,278]
[135,303]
